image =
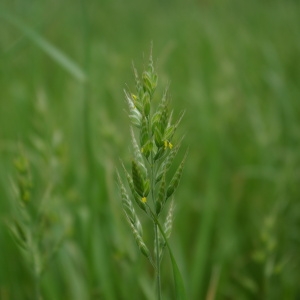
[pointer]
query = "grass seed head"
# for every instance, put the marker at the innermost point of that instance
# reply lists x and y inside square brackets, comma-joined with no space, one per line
[153,156]
[176,178]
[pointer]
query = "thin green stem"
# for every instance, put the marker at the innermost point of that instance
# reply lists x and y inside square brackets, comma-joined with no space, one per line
[158,225]
[158,283]
[157,259]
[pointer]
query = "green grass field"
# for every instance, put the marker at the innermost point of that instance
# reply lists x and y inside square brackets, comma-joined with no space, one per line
[233,66]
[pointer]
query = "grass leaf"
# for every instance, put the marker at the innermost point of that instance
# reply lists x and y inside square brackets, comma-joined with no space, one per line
[56,54]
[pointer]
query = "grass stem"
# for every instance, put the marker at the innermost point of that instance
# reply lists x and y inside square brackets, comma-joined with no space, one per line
[157,259]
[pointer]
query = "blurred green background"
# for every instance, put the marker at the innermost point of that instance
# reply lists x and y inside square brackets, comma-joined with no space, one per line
[234,67]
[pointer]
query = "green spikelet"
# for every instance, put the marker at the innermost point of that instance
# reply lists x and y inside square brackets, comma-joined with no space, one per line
[146,104]
[167,162]
[137,179]
[167,227]
[155,120]
[176,125]
[164,115]
[168,134]
[140,201]
[128,207]
[161,196]
[169,220]
[159,153]
[149,77]
[138,155]
[138,85]
[136,149]
[23,178]
[176,178]
[134,114]
[147,85]
[138,238]
[129,178]
[150,63]
[158,138]
[144,136]
[170,119]
[135,119]
[147,148]
[159,121]
[135,195]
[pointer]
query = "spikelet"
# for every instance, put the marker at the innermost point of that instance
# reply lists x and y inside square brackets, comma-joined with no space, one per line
[138,238]
[176,125]
[168,224]
[144,135]
[170,131]
[169,220]
[136,149]
[176,178]
[164,115]
[147,148]
[155,119]
[128,207]
[135,195]
[134,114]
[24,181]
[167,162]
[170,119]
[138,85]
[146,104]
[159,120]
[159,153]
[138,155]
[158,138]
[137,178]
[149,77]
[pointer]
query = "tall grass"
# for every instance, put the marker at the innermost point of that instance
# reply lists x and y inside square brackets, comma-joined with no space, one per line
[233,67]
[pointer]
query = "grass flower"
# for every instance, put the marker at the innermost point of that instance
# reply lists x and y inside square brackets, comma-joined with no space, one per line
[153,154]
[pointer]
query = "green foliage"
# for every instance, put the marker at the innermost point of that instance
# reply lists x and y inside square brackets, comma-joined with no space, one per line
[234,71]
[34,225]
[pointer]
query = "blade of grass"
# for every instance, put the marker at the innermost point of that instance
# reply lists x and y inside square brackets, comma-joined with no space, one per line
[205,233]
[56,54]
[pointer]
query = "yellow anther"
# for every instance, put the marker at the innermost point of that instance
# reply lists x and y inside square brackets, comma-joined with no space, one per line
[166,144]
[144,199]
